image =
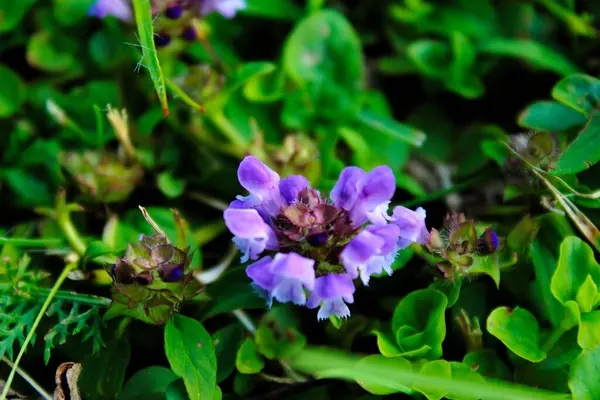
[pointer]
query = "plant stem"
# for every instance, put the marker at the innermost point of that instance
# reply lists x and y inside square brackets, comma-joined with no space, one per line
[63,275]
[227,128]
[556,334]
[71,234]
[29,380]
[75,297]
[209,201]
[25,242]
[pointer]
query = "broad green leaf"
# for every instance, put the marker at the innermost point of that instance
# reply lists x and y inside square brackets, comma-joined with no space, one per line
[381,125]
[380,361]
[13,12]
[51,53]
[575,264]
[97,249]
[277,9]
[419,324]
[550,116]
[587,295]
[462,371]
[387,345]
[583,377]
[518,330]
[580,92]
[487,363]
[583,151]
[189,349]
[170,185]
[176,390]
[488,265]
[588,336]
[28,188]
[450,289]
[432,57]
[12,92]
[266,88]
[523,234]
[150,383]
[323,57]
[248,361]
[435,368]
[531,51]
[103,373]
[227,342]
[145,28]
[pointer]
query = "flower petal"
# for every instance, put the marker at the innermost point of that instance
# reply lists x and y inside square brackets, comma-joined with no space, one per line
[227,8]
[291,186]
[377,187]
[256,177]
[117,8]
[345,191]
[359,251]
[261,274]
[294,266]
[411,224]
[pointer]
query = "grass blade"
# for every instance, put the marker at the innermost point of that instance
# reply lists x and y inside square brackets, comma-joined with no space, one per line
[143,20]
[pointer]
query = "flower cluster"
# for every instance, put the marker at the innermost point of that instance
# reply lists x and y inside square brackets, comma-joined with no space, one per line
[182,11]
[460,247]
[313,248]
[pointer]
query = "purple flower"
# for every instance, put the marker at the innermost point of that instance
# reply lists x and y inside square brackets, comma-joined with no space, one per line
[252,234]
[301,234]
[412,226]
[332,292]
[284,277]
[372,251]
[117,8]
[227,8]
[366,196]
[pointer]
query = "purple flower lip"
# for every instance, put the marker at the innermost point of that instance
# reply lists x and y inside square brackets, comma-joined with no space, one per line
[162,40]
[189,34]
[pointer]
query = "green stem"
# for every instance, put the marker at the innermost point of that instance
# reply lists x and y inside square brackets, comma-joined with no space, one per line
[553,338]
[42,392]
[24,242]
[63,275]
[227,128]
[71,234]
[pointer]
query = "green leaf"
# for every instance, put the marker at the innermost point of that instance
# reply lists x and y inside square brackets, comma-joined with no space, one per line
[176,390]
[588,336]
[387,344]
[488,265]
[531,51]
[13,12]
[97,249]
[575,265]
[227,341]
[587,295]
[266,88]
[523,234]
[583,377]
[432,57]
[277,9]
[248,361]
[435,368]
[51,53]
[150,383]
[12,92]
[381,125]
[189,349]
[170,185]
[550,116]
[380,361]
[580,92]
[323,57]
[103,373]
[487,363]
[583,151]
[518,330]
[145,27]
[450,289]
[69,12]
[419,325]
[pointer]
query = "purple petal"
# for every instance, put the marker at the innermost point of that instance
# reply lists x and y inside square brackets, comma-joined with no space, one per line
[359,251]
[389,233]
[345,191]
[117,8]
[251,234]
[260,273]
[257,178]
[294,266]
[334,286]
[291,186]
[226,8]
[377,187]
[411,224]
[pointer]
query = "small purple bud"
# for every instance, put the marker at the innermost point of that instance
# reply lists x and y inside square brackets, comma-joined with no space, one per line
[318,239]
[162,40]
[189,34]
[174,12]
[176,274]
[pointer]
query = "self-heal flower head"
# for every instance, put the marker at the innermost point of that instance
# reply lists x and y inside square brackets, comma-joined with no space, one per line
[332,292]
[412,226]
[310,244]
[284,277]
[120,9]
